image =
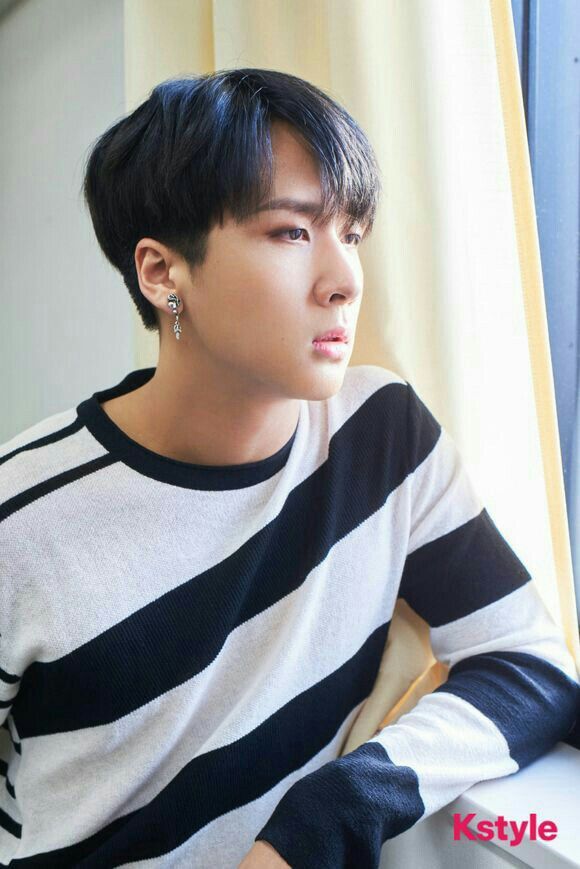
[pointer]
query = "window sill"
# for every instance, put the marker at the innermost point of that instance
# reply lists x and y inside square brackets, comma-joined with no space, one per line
[547,787]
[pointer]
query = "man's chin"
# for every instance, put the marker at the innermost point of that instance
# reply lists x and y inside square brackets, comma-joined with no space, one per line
[323,387]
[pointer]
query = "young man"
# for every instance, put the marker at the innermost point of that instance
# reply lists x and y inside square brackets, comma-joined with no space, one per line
[200,564]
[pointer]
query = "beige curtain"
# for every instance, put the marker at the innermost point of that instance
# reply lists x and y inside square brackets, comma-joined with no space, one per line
[453,298]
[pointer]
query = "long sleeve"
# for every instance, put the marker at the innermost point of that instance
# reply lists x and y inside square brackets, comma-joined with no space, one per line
[512,691]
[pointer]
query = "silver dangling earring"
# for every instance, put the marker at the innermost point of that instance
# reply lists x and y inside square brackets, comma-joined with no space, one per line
[174,302]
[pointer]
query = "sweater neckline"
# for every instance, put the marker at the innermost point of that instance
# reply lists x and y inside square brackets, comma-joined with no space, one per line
[163,468]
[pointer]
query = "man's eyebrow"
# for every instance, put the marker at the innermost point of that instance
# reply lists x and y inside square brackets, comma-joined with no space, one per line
[298,206]
[286,203]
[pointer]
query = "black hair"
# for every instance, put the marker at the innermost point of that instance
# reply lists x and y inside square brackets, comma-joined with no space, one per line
[201,145]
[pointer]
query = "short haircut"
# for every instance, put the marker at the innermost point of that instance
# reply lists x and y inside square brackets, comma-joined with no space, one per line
[201,145]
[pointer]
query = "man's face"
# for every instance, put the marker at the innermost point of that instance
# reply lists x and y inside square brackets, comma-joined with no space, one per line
[264,293]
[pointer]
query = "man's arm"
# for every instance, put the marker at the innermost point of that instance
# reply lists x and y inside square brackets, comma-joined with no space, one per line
[511,694]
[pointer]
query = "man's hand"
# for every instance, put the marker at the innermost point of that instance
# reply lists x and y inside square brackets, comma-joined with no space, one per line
[263,856]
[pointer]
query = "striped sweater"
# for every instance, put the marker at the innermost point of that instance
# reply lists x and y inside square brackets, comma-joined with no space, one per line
[184,649]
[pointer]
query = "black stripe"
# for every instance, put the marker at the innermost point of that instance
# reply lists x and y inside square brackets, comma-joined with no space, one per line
[226,778]
[9,824]
[8,677]
[10,788]
[5,704]
[47,486]
[422,429]
[532,702]
[52,438]
[3,767]
[167,642]
[460,572]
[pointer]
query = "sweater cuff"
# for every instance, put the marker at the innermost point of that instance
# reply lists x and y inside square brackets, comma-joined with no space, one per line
[337,817]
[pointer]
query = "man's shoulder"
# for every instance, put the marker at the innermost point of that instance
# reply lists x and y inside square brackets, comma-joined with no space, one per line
[401,397]
[27,437]
[42,451]
[364,382]
[370,409]
[373,376]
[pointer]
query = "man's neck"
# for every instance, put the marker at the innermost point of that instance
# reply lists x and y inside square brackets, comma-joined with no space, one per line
[184,419]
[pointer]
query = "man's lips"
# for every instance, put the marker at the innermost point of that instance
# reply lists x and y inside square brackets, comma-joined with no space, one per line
[337,334]
[332,349]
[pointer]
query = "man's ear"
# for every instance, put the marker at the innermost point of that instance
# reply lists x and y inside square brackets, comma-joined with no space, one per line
[155,264]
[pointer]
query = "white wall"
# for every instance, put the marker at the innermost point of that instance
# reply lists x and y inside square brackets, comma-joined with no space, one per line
[65,314]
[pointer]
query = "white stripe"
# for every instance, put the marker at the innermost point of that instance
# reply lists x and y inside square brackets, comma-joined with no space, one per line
[426,739]
[519,621]
[31,467]
[443,494]
[8,691]
[41,429]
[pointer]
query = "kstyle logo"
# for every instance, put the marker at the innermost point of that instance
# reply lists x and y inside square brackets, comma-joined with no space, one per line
[487,829]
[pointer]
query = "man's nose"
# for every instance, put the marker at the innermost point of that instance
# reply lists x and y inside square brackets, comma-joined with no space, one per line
[340,275]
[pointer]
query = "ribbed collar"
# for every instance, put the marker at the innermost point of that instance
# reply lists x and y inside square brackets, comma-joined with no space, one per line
[163,468]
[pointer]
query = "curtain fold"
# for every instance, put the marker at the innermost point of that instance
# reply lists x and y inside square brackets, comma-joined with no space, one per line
[453,295]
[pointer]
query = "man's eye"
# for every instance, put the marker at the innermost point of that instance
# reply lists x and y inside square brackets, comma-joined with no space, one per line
[300,229]
[292,229]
